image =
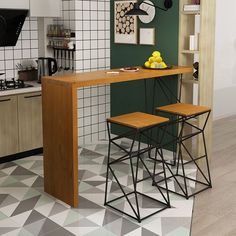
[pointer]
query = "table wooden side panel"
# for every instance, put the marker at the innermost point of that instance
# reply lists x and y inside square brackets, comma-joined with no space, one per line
[60,142]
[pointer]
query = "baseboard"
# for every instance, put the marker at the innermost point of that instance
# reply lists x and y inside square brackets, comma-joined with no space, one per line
[20,155]
[224,116]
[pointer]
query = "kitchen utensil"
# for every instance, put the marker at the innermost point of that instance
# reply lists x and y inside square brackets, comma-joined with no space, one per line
[72,60]
[47,66]
[64,59]
[67,67]
[60,57]
[70,67]
[130,69]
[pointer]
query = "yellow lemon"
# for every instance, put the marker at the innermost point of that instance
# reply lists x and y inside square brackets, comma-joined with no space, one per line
[153,65]
[147,64]
[163,64]
[151,59]
[156,54]
[158,59]
[158,65]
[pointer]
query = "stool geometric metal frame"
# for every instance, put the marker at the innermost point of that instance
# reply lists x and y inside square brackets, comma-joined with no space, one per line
[179,139]
[135,135]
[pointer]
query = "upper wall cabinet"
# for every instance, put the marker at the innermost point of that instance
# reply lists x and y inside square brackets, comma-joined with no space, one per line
[45,8]
[16,4]
[38,8]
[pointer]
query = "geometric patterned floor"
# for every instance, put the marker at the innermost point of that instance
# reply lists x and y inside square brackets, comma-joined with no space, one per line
[26,210]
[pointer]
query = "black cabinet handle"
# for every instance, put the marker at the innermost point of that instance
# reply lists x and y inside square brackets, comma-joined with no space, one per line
[5,100]
[33,96]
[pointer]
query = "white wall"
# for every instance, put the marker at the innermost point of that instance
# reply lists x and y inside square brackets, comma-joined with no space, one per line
[225,59]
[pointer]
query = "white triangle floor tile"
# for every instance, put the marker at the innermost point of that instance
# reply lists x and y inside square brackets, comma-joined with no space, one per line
[81,231]
[137,232]
[21,218]
[92,212]
[60,217]
[98,217]
[8,210]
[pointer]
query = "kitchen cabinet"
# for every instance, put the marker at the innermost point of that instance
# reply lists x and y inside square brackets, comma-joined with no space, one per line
[20,123]
[14,4]
[8,125]
[45,8]
[30,121]
[38,8]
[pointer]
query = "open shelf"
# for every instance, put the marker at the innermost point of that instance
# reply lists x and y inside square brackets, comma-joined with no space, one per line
[190,12]
[198,91]
[190,51]
[61,48]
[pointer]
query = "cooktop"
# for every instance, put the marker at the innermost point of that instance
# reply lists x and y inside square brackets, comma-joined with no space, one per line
[13,84]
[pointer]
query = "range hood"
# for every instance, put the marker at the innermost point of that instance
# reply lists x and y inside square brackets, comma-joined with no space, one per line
[11,23]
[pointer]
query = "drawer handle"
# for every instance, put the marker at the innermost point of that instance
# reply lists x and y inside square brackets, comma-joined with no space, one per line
[33,96]
[5,100]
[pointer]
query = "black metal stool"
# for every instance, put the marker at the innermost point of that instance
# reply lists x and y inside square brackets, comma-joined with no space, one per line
[184,114]
[139,125]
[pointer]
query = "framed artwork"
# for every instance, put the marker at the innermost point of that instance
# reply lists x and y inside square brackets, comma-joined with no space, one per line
[125,27]
[147,36]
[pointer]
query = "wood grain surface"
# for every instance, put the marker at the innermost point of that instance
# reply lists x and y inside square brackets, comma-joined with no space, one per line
[183,109]
[60,137]
[106,77]
[60,142]
[138,120]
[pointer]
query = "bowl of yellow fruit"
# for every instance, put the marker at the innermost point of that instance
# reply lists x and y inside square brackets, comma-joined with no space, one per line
[156,62]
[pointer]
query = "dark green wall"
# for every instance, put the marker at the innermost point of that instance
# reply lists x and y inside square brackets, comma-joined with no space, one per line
[128,97]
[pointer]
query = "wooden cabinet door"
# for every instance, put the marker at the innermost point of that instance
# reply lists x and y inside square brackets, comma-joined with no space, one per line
[30,121]
[45,8]
[8,126]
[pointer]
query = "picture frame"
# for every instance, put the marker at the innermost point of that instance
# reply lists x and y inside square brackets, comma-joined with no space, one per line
[147,36]
[125,27]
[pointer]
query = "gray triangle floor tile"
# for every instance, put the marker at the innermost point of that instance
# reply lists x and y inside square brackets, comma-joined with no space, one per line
[59,232]
[95,183]
[86,175]
[37,165]
[2,174]
[128,226]
[7,165]
[21,171]
[93,190]
[110,217]
[26,205]
[48,226]
[38,182]
[88,153]
[115,227]
[5,230]
[86,204]
[146,232]
[169,224]
[2,198]
[8,201]
[77,224]
[83,223]
[57,208]
[34,217]
[35,227]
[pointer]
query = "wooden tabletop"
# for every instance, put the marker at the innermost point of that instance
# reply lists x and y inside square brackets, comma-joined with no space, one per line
[106,77]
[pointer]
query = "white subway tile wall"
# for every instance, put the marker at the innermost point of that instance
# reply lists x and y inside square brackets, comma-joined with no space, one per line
[91,21]
[25,49]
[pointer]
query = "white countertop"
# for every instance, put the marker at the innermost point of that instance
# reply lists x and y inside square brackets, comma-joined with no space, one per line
[36,88]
